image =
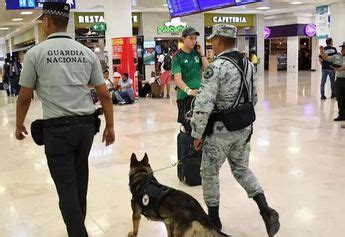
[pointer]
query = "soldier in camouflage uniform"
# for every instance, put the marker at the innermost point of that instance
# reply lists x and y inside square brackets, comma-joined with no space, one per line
[220,89]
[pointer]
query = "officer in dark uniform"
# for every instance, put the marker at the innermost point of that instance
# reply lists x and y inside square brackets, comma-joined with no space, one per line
[60,69]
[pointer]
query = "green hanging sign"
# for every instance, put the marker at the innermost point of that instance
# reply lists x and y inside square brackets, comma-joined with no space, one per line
[99,27]
[170,29]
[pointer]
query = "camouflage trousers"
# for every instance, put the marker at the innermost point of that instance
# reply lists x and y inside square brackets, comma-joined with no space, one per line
[233,146]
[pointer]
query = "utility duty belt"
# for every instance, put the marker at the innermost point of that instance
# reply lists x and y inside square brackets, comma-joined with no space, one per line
[233,118]
[238,116]
[38,125]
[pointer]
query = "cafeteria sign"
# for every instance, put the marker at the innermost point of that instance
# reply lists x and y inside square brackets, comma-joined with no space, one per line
[174,26]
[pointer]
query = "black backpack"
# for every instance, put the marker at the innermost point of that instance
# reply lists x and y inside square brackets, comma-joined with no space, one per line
[167,62]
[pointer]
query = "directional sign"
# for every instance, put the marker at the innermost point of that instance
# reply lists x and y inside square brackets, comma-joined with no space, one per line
[99,27]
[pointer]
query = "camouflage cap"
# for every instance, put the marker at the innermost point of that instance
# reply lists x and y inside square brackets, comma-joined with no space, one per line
[229,31]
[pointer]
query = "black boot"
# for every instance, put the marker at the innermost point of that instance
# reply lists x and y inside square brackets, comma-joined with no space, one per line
[213,213]
[269,215]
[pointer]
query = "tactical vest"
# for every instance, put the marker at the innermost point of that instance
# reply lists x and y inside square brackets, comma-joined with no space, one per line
[238,116]
[150,196]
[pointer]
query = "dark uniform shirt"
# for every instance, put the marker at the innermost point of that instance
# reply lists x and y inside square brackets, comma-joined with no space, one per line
[330,51]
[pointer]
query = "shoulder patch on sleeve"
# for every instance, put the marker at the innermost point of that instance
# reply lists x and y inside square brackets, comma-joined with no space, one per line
[209,72]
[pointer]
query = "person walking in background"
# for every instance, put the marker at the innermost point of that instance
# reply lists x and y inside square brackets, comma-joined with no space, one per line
[327,70]
[6,77]
[337,62]
[164,66]
[14,73]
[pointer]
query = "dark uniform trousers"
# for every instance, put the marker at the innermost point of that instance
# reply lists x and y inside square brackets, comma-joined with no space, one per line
[340,93]
[67,149]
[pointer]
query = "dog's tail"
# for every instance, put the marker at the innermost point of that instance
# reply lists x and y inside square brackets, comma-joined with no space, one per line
[199,230]
[218,233]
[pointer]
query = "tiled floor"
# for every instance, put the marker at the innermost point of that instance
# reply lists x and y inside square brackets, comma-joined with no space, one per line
[297,154]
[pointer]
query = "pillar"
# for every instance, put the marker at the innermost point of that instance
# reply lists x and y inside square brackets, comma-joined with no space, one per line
[118,16]
[292,53]
[260,41]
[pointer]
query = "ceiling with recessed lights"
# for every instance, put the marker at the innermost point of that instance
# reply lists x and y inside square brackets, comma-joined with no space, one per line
[268,8]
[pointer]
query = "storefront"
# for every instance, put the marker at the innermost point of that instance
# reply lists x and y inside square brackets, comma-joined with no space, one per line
[246,38]
[90,28]
[277,45]
[161,32]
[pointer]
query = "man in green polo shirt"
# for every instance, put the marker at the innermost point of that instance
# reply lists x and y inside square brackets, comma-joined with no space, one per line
[187,67]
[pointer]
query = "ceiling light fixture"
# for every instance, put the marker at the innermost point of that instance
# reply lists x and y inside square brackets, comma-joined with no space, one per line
[17,19]
[263,8]
[296,3]
[4,28]
[26,13]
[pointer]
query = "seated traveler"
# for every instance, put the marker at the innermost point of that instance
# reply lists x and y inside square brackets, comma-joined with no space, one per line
[125,90]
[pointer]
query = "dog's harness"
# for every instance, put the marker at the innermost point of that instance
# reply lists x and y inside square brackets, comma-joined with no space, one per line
[150,196]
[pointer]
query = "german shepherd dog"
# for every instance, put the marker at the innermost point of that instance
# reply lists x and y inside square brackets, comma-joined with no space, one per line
[182,215]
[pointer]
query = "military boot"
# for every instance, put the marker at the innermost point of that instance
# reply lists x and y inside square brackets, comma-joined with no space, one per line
[269,215]
[213,213]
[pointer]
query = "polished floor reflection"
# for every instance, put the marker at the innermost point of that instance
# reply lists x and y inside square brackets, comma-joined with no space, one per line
[297,154]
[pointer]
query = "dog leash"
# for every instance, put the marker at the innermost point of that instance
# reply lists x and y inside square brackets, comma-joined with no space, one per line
[168,167]
[171,166]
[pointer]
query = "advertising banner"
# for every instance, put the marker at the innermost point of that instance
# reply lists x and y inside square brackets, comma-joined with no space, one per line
[322,25]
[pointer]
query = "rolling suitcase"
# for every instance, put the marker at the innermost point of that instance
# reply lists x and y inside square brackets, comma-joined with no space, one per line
[188,169]
[155,90]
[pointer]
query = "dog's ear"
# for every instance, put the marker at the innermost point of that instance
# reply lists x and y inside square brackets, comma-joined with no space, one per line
[134,159]
[145,160]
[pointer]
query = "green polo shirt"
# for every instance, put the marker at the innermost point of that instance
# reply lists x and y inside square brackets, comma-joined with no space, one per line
[60,70]
[189,65]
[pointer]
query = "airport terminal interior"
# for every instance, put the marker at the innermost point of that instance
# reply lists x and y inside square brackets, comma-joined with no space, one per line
[297,149]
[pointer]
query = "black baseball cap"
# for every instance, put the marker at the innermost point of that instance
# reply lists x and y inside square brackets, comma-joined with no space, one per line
[55,9]
[190,31]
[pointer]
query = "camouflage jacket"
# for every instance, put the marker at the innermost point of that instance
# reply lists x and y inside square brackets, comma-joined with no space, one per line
[220,87]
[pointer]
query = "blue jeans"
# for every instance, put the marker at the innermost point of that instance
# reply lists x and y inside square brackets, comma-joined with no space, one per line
[120,96]
[331,74]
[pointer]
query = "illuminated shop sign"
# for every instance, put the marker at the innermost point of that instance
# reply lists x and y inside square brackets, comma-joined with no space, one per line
[267,32]
[310,30]
[174,26]
[229,19]
[90,19]
[239,20]
[87,19]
